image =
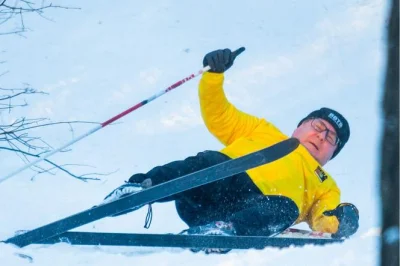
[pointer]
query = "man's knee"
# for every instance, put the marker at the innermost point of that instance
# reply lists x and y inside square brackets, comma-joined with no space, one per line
[267,216]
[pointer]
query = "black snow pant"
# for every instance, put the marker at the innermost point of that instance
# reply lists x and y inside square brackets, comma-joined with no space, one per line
[234,199]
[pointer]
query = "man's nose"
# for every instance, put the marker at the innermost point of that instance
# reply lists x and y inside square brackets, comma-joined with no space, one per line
[321,135]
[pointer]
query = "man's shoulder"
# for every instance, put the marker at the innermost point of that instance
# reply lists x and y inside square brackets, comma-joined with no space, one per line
[269,128]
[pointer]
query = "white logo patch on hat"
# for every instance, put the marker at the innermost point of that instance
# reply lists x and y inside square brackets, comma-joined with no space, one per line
[336,120]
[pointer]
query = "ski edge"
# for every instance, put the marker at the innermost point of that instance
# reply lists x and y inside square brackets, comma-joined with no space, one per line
[183,241]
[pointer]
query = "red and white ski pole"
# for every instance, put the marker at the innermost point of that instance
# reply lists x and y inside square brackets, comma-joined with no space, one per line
[115,118]
[106,123]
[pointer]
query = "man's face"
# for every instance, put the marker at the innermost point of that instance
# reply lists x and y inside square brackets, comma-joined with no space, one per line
[316,142]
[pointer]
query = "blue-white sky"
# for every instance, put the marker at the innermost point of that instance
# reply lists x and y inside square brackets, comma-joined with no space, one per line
[106,57]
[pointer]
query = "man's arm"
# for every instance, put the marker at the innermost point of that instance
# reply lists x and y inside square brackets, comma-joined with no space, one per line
[341,220]
[222,119]
[317,220]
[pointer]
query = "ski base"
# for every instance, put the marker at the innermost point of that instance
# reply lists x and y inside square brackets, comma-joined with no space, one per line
[183,241]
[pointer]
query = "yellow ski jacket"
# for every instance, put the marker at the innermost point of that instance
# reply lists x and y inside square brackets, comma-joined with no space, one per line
[297,176]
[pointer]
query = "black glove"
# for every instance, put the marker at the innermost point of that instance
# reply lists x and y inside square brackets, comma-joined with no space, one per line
[348,216]
[221,60]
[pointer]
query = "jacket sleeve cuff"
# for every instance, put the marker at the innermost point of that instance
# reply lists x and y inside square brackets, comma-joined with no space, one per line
[213,78]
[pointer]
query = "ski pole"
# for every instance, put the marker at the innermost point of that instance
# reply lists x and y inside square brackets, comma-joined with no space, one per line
[115,118]
[106,123]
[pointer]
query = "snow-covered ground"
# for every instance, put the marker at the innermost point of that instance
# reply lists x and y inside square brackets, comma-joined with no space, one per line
[102,59]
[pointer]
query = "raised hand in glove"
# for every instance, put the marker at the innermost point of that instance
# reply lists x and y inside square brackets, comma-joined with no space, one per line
[221,60]
[347,215]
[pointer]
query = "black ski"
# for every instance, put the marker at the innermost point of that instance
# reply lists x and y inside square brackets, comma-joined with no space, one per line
[183,241]
[155,193]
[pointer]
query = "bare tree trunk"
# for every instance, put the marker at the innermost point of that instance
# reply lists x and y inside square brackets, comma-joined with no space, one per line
[390,146]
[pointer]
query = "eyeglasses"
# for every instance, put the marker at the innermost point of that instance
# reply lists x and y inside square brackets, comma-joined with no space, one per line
[330,136]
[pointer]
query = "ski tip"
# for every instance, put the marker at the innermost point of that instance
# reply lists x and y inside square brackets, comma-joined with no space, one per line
[290,143]
[294,141]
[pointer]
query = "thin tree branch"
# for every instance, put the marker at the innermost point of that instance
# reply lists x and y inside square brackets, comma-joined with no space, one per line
[55,166]
[21,7]
[50,124]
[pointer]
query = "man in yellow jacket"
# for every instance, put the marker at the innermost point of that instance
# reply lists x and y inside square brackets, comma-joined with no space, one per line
[270,198]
